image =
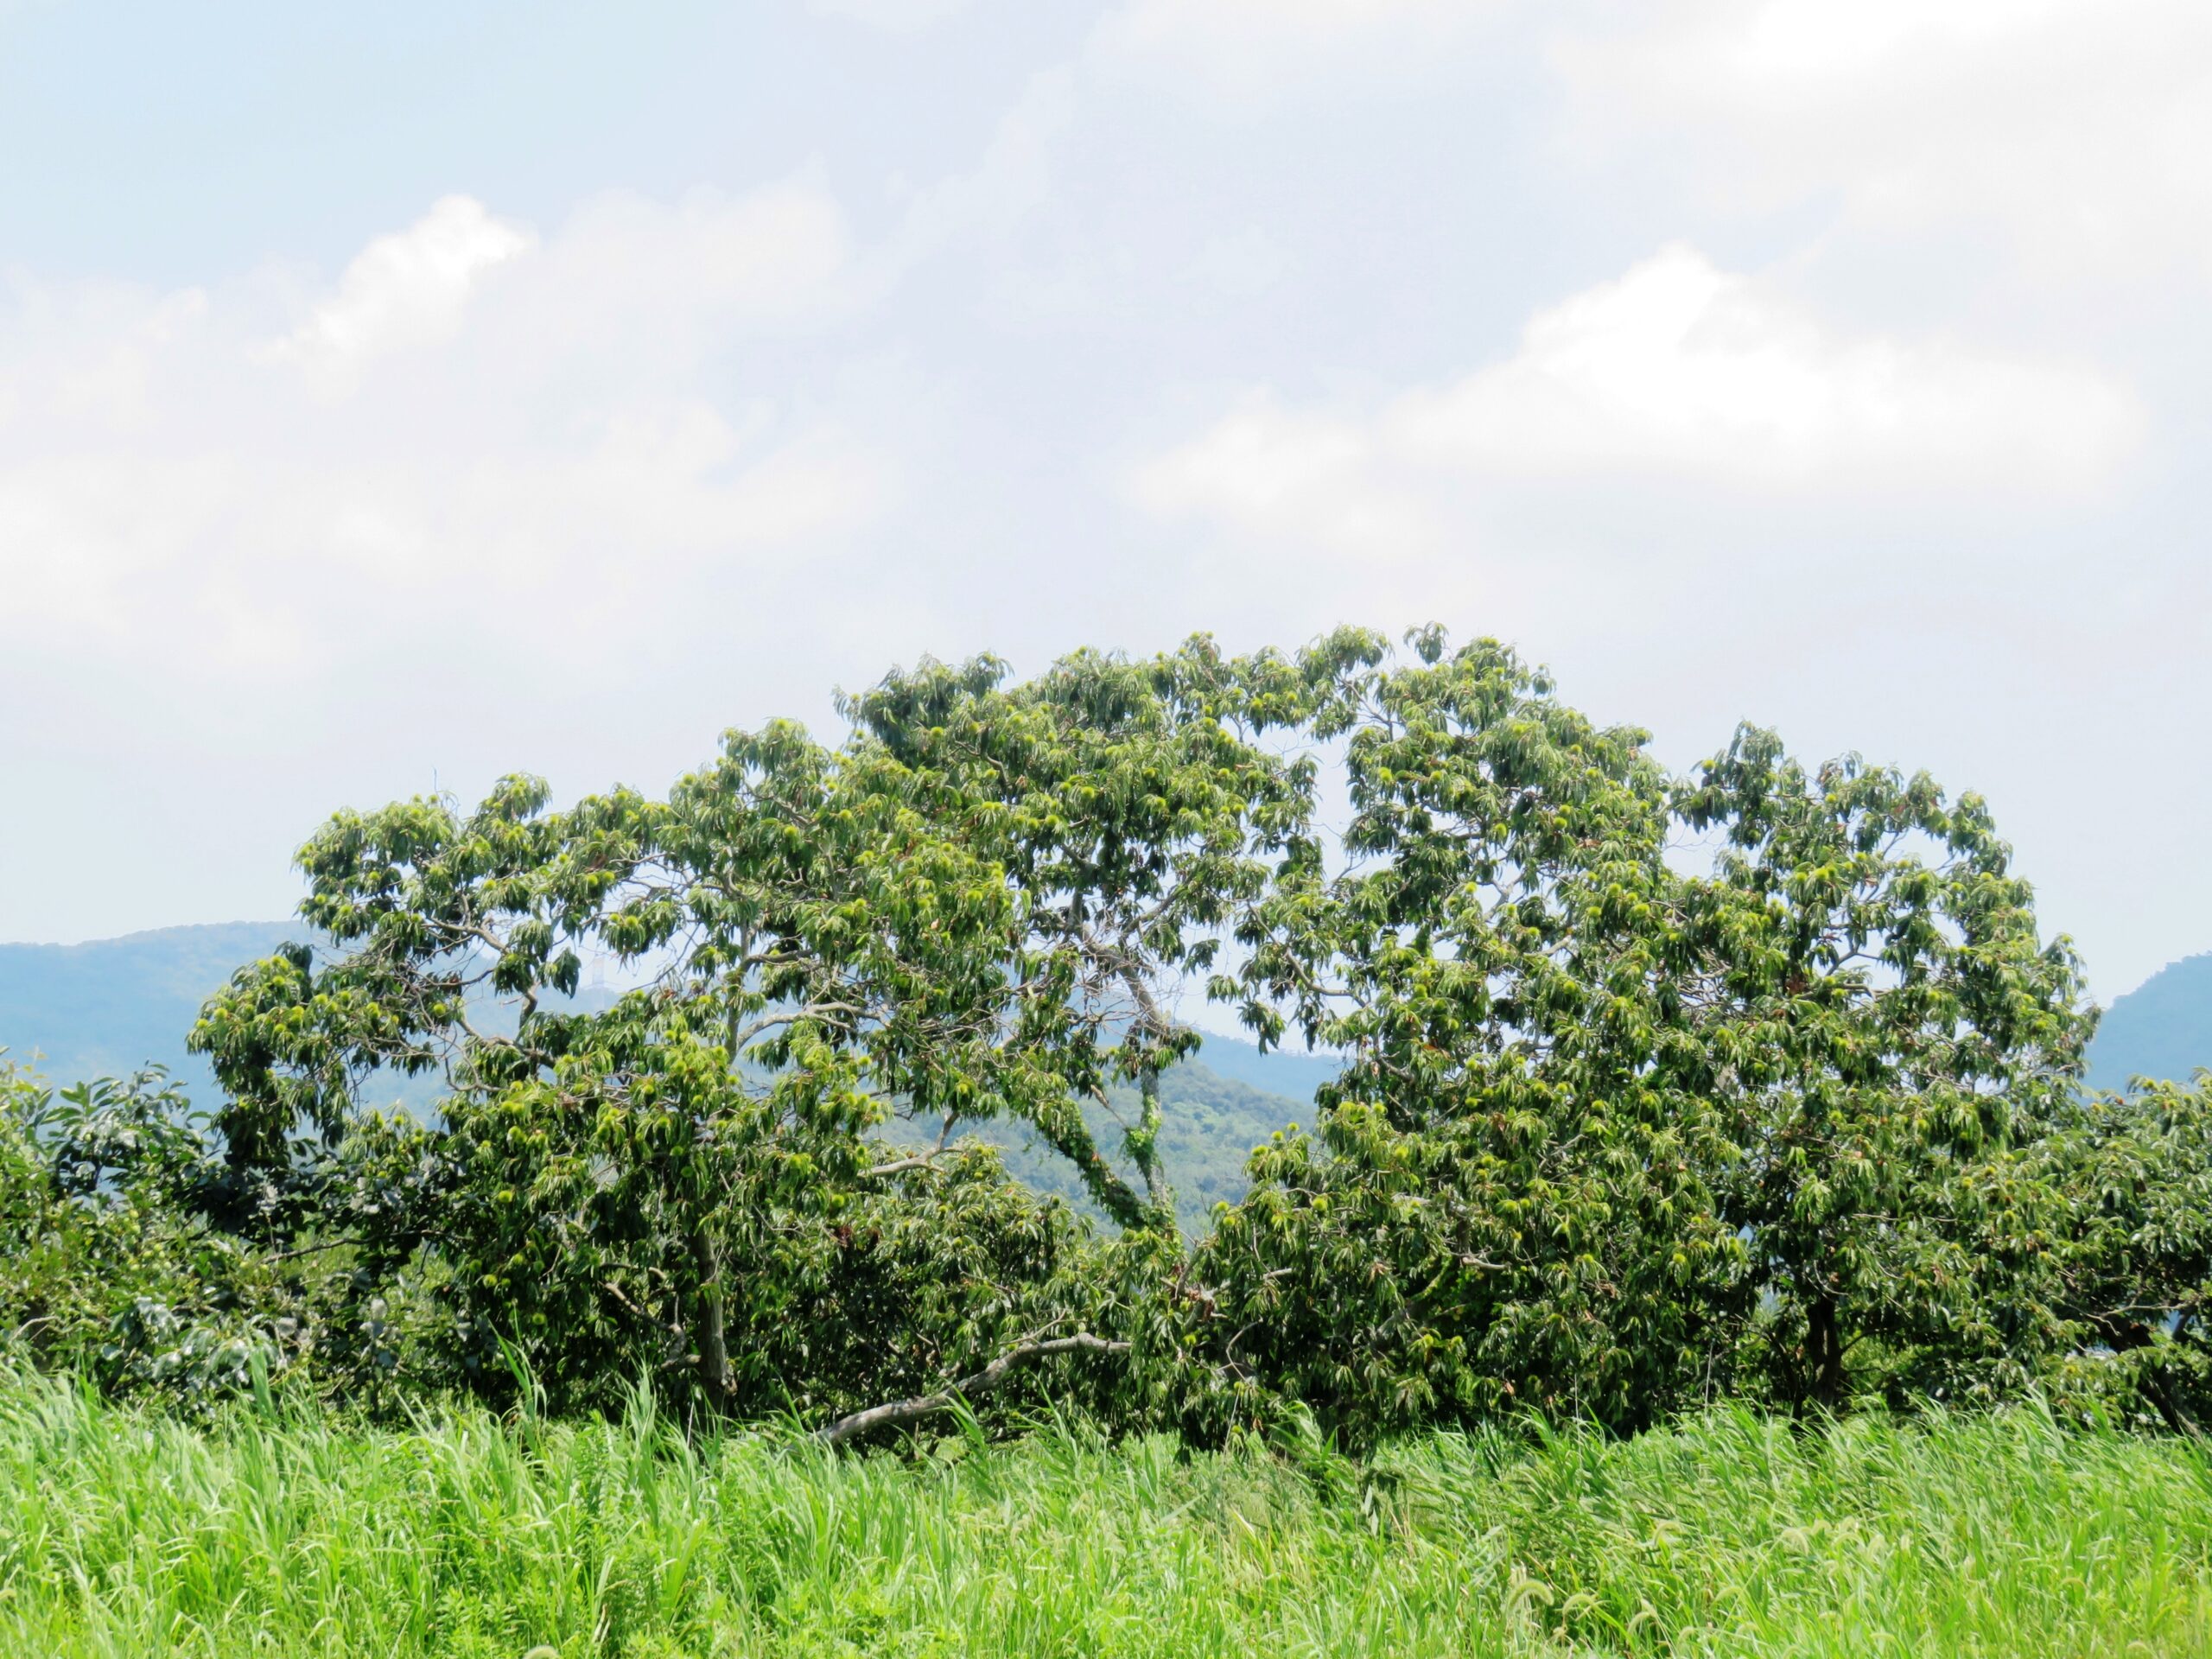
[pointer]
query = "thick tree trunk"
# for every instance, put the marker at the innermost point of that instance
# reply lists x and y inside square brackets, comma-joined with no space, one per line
[1824,1355]
[714,1343]
[1144,1145]
[1159,1191]
[2178,1417]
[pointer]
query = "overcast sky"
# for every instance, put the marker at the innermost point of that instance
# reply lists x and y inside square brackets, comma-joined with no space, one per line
[413,393]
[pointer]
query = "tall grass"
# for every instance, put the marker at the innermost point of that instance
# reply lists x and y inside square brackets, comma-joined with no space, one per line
[278,1533]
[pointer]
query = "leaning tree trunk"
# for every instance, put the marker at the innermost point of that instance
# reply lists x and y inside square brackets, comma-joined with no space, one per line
[1159,1194]
[712,1339]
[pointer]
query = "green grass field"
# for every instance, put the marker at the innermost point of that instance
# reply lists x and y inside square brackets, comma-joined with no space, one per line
[127,1535]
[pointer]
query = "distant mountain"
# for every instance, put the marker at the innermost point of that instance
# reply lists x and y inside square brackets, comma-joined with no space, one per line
[1279,1071]
[1211,1123]
[106,1008]
[2162,1028]
[109,1006]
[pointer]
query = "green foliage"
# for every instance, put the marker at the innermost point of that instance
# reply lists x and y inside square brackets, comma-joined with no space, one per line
[1509,1203]
[1882,1017]
[2100,1234]
[1614,1136]
[1130,806]
[965,914]
[104,1262]
[284,1532]
[1760,1083]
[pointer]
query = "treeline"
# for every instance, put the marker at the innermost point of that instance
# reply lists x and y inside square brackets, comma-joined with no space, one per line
[1759,1083]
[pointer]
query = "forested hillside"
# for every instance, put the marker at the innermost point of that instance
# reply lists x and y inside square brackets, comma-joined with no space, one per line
[111,1006]
[1211,1125]
[2161,1029]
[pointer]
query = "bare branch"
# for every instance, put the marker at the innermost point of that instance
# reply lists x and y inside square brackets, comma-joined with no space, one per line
[309,1249]
[920,1160]
[900,1166]
[635,1311]
[789,1017]
[897,1412]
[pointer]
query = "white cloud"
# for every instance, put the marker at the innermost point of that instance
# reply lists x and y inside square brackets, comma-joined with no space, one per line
[675,280]
[1685,371]
[1012,176]
[1677,374]
[2079,130]
[1305,476]
[408,289]
[1181,25]
[474,428]
[1241,266]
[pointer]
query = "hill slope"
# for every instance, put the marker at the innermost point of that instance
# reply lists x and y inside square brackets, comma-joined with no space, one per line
[2161,1029]
[107,1007]
[1211,1124]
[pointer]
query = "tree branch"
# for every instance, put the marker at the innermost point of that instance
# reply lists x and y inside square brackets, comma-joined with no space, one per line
[740,1039]
[919,1161]
[897,1412]
[309,1249]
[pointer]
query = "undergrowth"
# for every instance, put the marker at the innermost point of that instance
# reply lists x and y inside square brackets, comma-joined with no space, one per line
[278,1531]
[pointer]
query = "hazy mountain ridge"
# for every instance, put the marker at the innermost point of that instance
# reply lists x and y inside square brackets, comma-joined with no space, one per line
[108,1007]
[2162,1028]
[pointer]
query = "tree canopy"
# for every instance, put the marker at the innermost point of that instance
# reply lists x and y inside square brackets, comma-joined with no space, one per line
[1760,1081]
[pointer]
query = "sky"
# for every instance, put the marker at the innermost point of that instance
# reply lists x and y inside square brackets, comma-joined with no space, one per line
[394,398]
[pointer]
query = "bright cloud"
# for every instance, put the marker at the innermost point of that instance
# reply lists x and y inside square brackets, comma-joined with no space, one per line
[2078,129]
[405,290]
[1676,373]
[1309,478]
[473,418]
[1180,23]
[1690,371]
